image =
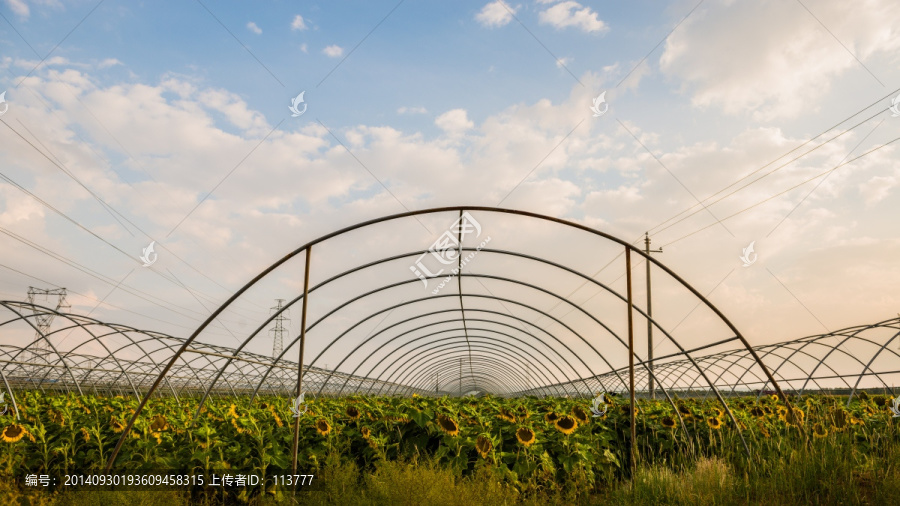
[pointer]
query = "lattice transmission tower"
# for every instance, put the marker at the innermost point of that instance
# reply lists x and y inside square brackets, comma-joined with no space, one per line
[43,320]
[279,330]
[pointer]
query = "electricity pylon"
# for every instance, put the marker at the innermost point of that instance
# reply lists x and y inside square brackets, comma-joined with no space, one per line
[278,331]
[43,320]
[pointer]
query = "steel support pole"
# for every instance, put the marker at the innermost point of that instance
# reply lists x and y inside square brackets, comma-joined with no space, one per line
[633,444]
[300,362]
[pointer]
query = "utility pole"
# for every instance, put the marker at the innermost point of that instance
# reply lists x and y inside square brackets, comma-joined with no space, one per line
[648,251]
[278,331]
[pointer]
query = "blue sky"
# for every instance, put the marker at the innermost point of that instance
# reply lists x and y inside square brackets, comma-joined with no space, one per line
[153,105]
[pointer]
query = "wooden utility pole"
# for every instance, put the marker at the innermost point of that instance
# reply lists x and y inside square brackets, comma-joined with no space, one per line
[651,387]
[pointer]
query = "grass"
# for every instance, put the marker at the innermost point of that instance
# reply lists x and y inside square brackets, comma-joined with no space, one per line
[823,473]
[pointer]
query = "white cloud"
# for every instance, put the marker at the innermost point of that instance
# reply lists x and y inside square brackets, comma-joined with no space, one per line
[253,28]
[412,110]
[455,121]
[772,59]
[333,51]
[562,62]
[298,23]
[19,7]
[304,48]
[109,62]
[495,14]
[570,13]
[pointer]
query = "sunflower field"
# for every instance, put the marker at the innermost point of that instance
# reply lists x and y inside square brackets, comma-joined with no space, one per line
[532,445]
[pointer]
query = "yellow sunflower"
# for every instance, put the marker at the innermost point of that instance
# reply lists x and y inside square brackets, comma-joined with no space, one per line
[322,426]
[757,412]
[116,425]
[714,423]
[484,446]
[159,424]
[352,412]
[232,411]
[85,435]
[566,424]
[840,418]
[550,417]
[580,414]
[794,416]
[668,422]
[365,432]
[525,436]
[685,411]
[448,425]
[507,415]
[13,433]
[819,431]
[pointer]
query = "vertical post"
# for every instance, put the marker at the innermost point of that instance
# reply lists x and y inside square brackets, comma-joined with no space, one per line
[460,377]
[651,386]
[300,362]
[631,357]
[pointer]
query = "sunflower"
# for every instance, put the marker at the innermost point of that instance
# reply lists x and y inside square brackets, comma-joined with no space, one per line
[159,424]
[794,416]
[232,411]
[365,432]
[448,425]
[550,417]
[757,412]
[774,397]
[505,414]
[85,434]
[684,410]
[484,446]
[566,425]
[782,412]
[840,418]
[714,423]
[863,396]
[322,426]
[525,436]
[579,414]
[13,433]
[352,412]
[116,425]
[819,431]
[719,412]
[668,422]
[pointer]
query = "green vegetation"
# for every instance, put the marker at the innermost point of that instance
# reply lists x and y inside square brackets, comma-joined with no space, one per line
[366,450]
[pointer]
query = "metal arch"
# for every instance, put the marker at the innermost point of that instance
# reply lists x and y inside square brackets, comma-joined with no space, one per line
[453,330]
[505,334]
[501,368]
[450,341]
[486,297]
[486,364]
[371,370]
[306,247]
[44,338]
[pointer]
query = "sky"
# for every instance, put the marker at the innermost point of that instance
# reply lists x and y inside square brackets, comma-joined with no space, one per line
[715,125]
